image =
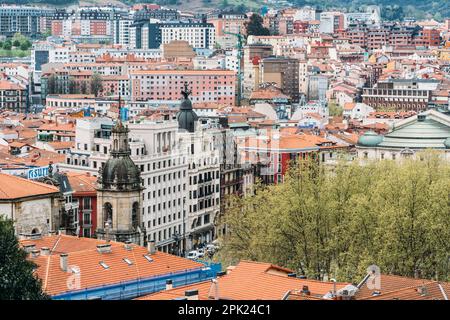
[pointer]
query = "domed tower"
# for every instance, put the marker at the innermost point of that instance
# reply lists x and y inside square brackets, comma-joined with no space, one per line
[119,192]
[187,118]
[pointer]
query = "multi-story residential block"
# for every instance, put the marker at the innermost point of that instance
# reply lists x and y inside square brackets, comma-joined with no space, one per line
[29,21]
[13,96]
[84,193]
[252,52]
[331,22]
[400,94]
[163,172]
[227,24]
[284,72]
[206,85]
[150,35]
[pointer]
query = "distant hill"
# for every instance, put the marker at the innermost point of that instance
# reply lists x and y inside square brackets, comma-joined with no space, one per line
[391,9]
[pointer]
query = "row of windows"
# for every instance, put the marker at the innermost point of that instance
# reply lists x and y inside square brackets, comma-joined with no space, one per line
[203,204]
[162,206]
[166,233]
[162,192]
[157,222]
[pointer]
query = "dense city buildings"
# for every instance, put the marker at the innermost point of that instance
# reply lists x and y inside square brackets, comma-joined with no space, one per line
[156,151]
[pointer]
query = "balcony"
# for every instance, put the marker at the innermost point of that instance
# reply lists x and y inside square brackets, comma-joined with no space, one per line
[71,205]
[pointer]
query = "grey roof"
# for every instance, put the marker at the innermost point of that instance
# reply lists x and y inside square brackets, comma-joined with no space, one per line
[186,116]
[428,133]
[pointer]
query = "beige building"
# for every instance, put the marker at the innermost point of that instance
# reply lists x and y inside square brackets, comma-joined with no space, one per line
[33,206]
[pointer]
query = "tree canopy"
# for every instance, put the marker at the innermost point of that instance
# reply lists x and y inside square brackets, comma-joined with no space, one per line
[340,221]
[255,26]
[17,279]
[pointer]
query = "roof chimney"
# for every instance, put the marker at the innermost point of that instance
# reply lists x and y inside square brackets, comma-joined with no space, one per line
[104,248]
[305,290]
[169,284]
[63,261]
[151,247]
[28,247]
[191,294]
[422,290]
[127,245]
[35,253]
[45,251]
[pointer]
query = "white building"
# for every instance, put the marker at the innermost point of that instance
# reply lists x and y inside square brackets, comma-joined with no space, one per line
[199,35]
[428,130]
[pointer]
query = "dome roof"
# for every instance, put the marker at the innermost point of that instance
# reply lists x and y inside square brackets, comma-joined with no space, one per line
[186,116]
[120,173]
[369,139]
[447,143]
[186,120]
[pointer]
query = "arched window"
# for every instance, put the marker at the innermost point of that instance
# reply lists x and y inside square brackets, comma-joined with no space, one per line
[134,215]
[116,144]
[108,213]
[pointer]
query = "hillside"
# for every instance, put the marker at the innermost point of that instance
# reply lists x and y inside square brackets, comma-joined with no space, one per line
[391,9]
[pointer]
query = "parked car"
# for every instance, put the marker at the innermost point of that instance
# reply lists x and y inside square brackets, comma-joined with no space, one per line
[192,255]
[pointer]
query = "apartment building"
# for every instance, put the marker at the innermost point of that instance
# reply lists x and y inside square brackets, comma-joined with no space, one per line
[12,96]
[227,24]
[179,198]
[400,94]
[29,21]
[284,72]
[206,85]
[252,54]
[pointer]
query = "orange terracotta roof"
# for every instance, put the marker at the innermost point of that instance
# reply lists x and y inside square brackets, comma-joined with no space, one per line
[430,290]
[82,182]
[292,141]
[7,85]
[251,280]
[57,127]
[82,252]
[349,105]
[58,145]
[12,187]
[389,283]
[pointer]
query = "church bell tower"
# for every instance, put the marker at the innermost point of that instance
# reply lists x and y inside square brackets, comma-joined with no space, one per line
[119,190]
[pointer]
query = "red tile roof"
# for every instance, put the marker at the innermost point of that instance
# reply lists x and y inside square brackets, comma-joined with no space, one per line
[251,280]
[82,182]
[12,187]
[82,253]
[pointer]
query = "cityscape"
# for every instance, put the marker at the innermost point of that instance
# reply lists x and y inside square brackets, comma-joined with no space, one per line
[231,150]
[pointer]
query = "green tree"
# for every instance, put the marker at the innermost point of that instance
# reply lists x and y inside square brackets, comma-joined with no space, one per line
[24,46]
[72,86]
[51,84]
[17,276]
[83,87]
[255,26]
[7,45]
[339,220]
[335,110]
[96,84]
